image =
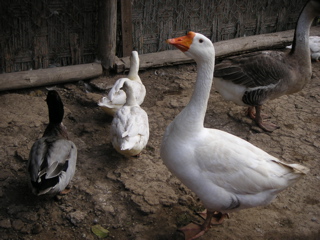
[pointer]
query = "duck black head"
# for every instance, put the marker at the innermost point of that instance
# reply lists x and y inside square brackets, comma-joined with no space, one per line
[55,107]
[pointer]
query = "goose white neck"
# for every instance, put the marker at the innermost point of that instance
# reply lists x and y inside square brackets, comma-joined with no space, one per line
[192,116]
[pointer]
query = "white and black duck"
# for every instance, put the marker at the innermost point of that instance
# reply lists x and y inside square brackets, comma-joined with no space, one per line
[52,159]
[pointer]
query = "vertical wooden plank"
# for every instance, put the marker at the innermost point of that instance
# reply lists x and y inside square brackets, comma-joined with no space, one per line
[107,34]
[75,48]
[126,27]
[40,39]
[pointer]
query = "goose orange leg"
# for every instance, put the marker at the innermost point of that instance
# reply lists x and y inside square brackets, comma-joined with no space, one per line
[193,231]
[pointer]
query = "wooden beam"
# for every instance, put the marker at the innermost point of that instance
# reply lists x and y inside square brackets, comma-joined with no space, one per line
[223,49]
[126,27]
[58,75]
[49,76]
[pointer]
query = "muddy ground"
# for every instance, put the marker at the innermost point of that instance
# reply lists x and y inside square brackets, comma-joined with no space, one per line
[139,198]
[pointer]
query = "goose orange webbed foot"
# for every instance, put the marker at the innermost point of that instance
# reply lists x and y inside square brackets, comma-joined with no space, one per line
[258,117]
[193,230]
[267,126]
[217,217]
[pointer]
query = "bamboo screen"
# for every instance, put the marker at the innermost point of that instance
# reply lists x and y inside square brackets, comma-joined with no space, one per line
[154,21]
[48,33]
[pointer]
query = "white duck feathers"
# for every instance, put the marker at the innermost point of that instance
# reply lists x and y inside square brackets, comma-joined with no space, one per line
[314,44]
[131,123]
[130,126]
[116,97]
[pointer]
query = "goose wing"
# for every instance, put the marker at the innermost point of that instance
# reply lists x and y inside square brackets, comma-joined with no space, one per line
[241,168]
[253,70]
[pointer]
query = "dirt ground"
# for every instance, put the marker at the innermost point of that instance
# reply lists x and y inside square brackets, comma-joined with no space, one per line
[139,198]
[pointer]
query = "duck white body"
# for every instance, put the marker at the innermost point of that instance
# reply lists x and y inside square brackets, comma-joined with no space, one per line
[130,125]
[226,172]
[255,78]
[117,97]
[52,159]
[314,43]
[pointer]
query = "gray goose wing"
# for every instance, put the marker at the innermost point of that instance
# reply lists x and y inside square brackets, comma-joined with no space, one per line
[259,72]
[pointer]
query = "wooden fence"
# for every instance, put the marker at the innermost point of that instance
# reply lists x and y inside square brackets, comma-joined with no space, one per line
[42,34]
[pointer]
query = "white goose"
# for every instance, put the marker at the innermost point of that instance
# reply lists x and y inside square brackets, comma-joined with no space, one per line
[117,97]
[130,125]
[254,78]
[226,172]
[53,158]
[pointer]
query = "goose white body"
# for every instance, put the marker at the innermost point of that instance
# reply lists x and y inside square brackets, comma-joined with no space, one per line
[226,172]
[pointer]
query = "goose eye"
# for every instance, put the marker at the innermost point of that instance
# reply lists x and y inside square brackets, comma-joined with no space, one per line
[200,40]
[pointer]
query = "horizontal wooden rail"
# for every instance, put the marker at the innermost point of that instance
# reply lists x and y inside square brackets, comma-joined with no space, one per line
[50,76]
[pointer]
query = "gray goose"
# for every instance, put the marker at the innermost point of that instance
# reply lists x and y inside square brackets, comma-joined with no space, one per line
[52,159]
[254,78]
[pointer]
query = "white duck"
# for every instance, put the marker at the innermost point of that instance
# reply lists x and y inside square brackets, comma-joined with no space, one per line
[314,43]
[226,172]
[117,97]
[52,159]
[254,78]
[130,125]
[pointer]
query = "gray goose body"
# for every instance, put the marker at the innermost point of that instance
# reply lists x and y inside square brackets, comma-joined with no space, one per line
[52,159]
[254,78]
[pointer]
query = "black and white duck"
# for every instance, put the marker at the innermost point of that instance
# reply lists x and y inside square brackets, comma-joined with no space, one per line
[52,159]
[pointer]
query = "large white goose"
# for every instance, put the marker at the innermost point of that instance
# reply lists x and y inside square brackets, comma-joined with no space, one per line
[252,79]
[226,172]
[117,97]
[53,158]
[130,125]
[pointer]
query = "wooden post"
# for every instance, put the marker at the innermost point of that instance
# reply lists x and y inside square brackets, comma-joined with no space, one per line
[107,34]
[126,27]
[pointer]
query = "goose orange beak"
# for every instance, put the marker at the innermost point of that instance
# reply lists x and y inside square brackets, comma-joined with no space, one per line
[182,43]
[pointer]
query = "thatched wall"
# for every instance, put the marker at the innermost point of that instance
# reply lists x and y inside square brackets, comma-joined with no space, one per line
[47,33]
[154,21]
